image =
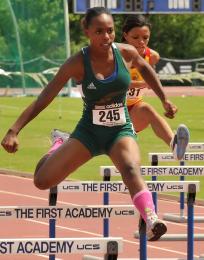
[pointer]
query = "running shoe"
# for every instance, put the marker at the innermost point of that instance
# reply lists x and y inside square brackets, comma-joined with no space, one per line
[180,142]
[156,230]
[155,227]
[57,134]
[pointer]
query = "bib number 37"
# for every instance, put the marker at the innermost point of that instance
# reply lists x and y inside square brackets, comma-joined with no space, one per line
[109,117]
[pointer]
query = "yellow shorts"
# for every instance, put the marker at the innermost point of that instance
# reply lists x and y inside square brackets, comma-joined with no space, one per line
[134,102]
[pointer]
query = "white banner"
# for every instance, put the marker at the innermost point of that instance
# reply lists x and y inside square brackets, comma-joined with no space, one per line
[195,147]
[119,186]
[57,246]
[99,211]
[159,170]
[168,157]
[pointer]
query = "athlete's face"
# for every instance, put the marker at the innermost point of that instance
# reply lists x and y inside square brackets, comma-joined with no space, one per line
[101,32]
[138,37]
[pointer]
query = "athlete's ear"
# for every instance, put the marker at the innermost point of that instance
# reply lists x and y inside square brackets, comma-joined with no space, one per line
[86,32]
[84,26]
[125,36]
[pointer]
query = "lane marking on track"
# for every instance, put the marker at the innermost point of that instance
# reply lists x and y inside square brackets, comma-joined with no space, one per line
[35,197]
[46,256]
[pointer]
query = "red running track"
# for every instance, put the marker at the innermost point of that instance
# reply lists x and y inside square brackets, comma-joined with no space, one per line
[19,191]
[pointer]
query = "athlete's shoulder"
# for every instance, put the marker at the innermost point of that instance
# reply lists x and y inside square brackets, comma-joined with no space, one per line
[154,57]
[74,64]
[127,50]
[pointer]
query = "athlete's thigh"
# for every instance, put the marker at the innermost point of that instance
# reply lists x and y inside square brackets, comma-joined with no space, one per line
[67,158]
[140,116]
[125,153]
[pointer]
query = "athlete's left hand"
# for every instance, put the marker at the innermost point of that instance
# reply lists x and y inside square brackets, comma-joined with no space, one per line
[170,109]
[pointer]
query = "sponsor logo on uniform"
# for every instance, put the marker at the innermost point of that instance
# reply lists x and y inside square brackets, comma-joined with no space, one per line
[91,86]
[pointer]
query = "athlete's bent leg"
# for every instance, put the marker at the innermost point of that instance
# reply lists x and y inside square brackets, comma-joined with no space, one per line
[58,137]
[143,115]
[61,163]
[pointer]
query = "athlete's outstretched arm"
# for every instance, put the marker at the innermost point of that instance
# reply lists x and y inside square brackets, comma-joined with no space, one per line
[66,71]
[150,78]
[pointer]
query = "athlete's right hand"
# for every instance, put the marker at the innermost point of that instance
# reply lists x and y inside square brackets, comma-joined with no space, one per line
[170,109]
[10,142]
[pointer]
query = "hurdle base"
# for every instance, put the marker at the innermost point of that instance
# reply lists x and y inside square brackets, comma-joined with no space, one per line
[175,237]
[90,257]
[181,219]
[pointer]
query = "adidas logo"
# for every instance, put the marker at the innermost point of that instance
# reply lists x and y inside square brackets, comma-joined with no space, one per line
[91,86]
[168,69]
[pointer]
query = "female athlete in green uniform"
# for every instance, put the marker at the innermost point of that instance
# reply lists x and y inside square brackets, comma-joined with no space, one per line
[105,127]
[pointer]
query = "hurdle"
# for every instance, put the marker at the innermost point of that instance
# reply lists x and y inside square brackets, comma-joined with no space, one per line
[155,158]
[60,245]
[163,171]
[190,227]
[163,186]
[71,212]
[83,246]
[192,189]
[110,246]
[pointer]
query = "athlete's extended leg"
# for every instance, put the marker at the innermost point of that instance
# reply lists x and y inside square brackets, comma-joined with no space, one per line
[58,165]
[143,115]
[125,155]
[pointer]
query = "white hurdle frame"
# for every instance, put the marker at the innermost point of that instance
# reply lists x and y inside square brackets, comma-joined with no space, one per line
[162,171]
[57,245]
[113,171]
[71,212]
[195,147]
[119,186]
[155,158]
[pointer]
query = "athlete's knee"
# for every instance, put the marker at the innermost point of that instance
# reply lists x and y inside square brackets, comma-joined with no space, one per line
[148,110]
[40,163]
[38,181]
[130,171]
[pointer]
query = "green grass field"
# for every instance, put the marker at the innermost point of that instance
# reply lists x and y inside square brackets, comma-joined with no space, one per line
[64,113]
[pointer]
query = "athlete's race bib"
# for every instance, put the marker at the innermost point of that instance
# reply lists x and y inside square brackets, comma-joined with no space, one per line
[133,93]
[109,115]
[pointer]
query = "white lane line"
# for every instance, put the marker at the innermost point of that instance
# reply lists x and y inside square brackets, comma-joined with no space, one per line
[35,197]
[46,256]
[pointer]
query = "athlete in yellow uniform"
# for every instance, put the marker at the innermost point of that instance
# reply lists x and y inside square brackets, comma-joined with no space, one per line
[134,95]
[136,32]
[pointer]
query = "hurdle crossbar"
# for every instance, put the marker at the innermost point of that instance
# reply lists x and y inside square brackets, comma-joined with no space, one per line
[159,170]
[57,245]
[181,218]
[119,186]
[71,212]
[181,171]
[176,237]
[195,147]
[168,157]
